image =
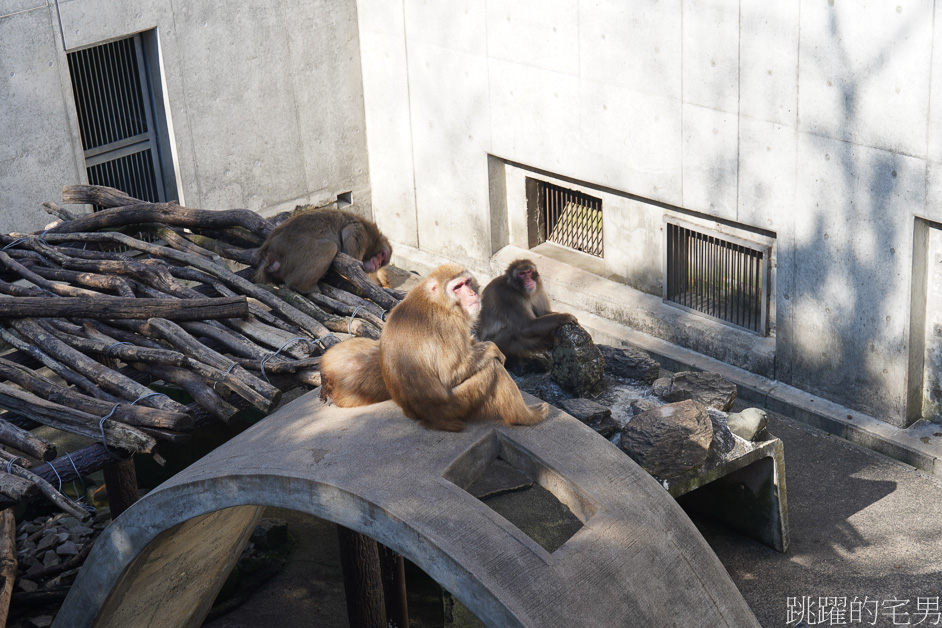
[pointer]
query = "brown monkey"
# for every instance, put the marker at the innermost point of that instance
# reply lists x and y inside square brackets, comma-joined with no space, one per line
[515,312]
[350,374]
[299,250]
[436,371]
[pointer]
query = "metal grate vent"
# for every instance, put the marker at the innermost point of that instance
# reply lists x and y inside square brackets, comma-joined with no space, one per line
[570,218]
[115,113]
[715,276]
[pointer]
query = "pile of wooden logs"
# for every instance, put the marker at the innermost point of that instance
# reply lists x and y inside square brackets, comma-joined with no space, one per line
[103,305]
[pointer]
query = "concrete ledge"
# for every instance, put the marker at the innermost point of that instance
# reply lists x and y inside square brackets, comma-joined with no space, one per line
[637,560]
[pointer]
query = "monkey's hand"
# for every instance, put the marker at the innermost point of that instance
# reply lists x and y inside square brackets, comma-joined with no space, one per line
[487,350]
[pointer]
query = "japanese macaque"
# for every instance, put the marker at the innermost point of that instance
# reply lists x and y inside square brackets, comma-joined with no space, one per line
[299,251]
[350,374]
[436,371]
[516,315]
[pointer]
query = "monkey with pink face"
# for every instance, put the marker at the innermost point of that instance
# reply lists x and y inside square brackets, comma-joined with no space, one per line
[516,315]
[299,251]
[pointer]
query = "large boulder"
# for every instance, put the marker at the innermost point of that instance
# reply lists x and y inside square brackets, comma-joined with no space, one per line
[710,389]
[630,363]
[593,414]
[669,440]
[578,364]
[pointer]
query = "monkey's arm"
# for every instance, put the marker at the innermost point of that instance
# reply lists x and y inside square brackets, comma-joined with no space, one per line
[543,325]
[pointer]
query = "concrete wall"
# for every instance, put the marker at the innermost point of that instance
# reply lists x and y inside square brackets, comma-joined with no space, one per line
[264,100]
[816,123]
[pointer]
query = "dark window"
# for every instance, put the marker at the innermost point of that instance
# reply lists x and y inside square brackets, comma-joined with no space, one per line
[114,102]
[724,278]
[567,217]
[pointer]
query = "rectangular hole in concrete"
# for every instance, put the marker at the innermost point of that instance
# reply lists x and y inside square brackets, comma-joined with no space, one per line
[345,199]
[524,491]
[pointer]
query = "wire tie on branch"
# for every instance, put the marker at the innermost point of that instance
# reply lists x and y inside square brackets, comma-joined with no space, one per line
[268,357]
[42,236]
[16,242]
[11,461]
[58,477]
[321,340]
[146,396]
[350,322]
[101,426]
[228,370]
[108,350]
[79,500]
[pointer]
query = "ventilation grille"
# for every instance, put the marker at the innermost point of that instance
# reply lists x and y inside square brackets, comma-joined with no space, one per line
[115,115]
[717,277]
[571,218]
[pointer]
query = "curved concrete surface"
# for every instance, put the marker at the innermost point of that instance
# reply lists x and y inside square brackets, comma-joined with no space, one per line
[637,560]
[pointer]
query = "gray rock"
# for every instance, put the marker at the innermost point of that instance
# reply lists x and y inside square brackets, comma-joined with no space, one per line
[750,424]
[67,549]
[46,542]
[41,621]
[50,559]
[595,415]
[630,363]
[710,389]
[26,585]
[669,440]
[723,440]
[642,405]
[578,364]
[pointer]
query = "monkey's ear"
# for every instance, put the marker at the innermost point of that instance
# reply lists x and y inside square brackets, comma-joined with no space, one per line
[433,287]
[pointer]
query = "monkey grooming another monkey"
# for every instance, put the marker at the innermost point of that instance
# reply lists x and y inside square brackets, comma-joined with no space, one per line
[299,251]
[515,312]
[436,371]
[350,374]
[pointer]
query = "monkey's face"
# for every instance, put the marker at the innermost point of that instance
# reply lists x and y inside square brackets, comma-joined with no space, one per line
[527,277]
[377,261]
[461,291]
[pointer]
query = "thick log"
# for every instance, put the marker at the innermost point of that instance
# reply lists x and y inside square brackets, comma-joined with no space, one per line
[121,351]
[58,212]
[203,394]
[109,380]
[121,482]
[16,488]
[248,257]
[353,300]
[352,271]
[126,210]
[57,498]
[7,561]
[74,421]
[25,441]
[91,280]
[50,286]
[124,413]
[230,374]
[276,339]
[392,568]
[332,322]
[339,307]
[229,278]
[107,307]
[79,381]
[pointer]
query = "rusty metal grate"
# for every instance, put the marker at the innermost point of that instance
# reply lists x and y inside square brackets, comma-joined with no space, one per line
[114,106]
[570,218]
[716,276]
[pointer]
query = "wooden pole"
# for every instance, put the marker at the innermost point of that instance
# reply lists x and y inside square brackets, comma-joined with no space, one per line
[7,562]
[393,569]
[121,481]
[362,580]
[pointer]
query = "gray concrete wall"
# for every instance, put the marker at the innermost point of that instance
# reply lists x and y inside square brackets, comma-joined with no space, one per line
[815,122]
[265,100]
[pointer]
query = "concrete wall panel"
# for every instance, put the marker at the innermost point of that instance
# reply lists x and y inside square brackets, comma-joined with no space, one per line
[634,45]
[767,171]
[451,131]
[768,70]
[10,7]
[711,54]
[865,72]
[710,161]
[38,155]
[458,25]
[544,36]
